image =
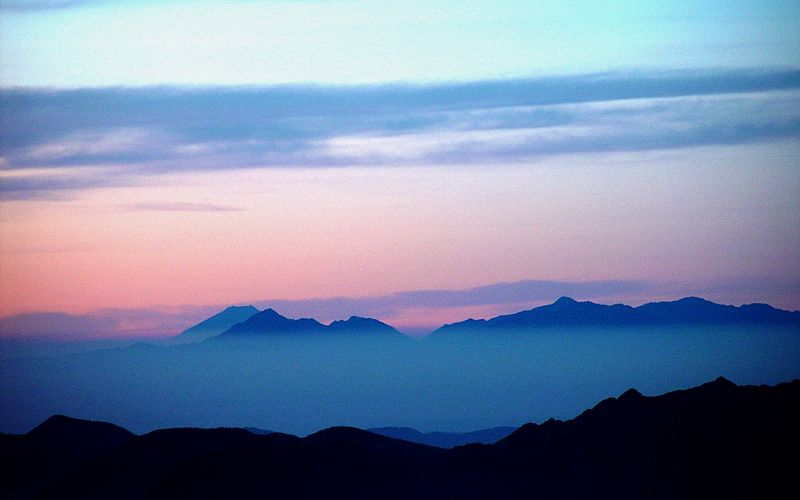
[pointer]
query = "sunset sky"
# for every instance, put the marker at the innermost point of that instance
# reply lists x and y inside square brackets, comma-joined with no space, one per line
[418,162]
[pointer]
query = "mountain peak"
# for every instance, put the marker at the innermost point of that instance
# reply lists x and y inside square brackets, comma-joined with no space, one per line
[271,313]
[240,308]
[630,395]
[217,323]
[694,300]
[360,324]
[564,300]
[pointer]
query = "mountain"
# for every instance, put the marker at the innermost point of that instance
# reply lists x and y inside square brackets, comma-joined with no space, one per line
[687,311]
[445,439]
[55,451]
[217,323]
[718,440]
[78,438]
[269,322]
[357,324]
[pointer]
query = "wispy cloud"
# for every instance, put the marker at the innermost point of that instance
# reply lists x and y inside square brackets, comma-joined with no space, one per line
[57,325]
[137,132]
[180,207]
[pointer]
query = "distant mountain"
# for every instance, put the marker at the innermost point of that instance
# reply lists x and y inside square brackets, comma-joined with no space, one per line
[357,324]
[445,439]
[687,311]
[718,440]
[269,322]
[217,323]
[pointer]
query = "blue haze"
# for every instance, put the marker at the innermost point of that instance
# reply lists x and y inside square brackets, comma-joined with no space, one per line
[461,383]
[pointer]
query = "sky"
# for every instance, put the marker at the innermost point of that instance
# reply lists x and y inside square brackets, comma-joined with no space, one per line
[418,162]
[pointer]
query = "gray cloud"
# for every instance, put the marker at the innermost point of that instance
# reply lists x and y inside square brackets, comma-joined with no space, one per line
[131,133]
[495,294]
[180,207]
[56,325]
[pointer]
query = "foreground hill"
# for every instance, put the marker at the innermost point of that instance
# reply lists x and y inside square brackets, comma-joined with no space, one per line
[269,322]
[717,440]
[687,311]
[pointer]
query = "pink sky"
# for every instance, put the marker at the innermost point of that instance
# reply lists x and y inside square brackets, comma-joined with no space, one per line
[691,216]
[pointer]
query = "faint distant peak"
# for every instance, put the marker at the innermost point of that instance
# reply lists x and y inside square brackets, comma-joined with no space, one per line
[247,308]
[564,301]
[216,324]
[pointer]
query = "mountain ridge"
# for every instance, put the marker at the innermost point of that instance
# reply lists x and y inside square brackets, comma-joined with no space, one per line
[270,322]
[566,311]
[718,439]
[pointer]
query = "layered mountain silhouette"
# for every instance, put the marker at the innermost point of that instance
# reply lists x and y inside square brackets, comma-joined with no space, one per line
[248,322]
[445,439]
[269,322]
[217,323]
[718,440]
[687,311]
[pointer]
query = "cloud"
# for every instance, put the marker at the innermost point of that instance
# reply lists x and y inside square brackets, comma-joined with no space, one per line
[140,132]
[103,323]
[527,291]
[56,325]
[180,207]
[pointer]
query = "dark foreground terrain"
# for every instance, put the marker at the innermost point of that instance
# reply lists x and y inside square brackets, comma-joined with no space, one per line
[717,440]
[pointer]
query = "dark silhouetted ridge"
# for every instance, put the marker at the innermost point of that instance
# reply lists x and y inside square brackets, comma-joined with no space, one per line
[83,438]
[718,440]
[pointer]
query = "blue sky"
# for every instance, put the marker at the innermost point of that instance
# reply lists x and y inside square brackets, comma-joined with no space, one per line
[97,43]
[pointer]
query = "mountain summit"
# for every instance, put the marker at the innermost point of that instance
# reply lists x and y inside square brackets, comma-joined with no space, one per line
[217,323]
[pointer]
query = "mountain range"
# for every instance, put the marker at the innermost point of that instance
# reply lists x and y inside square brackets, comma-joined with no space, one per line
[687,311]
[718,440]
[248,322]
[269,322]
